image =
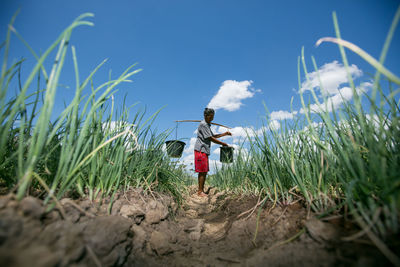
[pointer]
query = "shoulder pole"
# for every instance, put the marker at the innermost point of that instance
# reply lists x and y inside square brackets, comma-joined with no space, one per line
[200,121]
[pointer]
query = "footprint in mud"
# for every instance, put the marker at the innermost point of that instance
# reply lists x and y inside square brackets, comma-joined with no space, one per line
[196,205]
[208,209]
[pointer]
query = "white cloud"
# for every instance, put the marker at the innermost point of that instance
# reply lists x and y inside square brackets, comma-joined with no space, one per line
[244,153]
[241,133]
[238,132]
[333,102]
[282,115]
[344,94]
[331,76]
[261,130]
[214,164]
[376,121]
[315,125]
[190,148]
[116,127]
[237,148]
[364,87]
[230,95]
[188,161]
[216,151]
[274,125]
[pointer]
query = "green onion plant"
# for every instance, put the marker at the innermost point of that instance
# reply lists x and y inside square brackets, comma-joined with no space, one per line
[92,149]
[332,158]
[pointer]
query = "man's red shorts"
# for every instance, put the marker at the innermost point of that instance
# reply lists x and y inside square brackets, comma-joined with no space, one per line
[200,162]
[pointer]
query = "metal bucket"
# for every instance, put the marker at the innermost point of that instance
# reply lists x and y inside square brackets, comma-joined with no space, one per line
[175,148]
[226,154]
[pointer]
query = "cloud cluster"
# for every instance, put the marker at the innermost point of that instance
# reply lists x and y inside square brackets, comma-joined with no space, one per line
[329,77]
[230,95]
[274,125]
[282,115]
[333,102]
[327,81]
[241,133]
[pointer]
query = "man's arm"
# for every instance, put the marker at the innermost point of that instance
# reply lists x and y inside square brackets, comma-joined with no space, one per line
[221,135]
[215,140]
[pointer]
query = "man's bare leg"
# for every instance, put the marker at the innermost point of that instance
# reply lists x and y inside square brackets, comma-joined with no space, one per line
[202,180]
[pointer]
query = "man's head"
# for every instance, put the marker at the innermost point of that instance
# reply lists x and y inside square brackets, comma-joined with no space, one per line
[209,114]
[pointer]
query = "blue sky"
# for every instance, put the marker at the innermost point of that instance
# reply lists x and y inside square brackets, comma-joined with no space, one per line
[232,55]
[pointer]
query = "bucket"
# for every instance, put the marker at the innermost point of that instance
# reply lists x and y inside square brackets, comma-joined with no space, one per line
[175,148]
[226,154]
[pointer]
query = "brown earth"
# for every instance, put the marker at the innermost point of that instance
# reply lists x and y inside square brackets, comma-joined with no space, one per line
[151,230]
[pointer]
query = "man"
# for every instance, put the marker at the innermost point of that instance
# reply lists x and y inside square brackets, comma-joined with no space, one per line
[202,148]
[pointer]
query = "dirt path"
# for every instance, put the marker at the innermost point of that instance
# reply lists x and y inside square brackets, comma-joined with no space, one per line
[151,230]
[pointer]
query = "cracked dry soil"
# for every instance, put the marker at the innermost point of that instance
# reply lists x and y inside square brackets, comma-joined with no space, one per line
[151,230]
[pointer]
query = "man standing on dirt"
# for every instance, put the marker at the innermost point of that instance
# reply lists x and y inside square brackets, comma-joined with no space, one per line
[202,148]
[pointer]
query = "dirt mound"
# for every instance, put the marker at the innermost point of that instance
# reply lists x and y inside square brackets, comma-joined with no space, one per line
[150,230]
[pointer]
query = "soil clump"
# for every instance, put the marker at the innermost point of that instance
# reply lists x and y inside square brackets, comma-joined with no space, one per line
[150,229]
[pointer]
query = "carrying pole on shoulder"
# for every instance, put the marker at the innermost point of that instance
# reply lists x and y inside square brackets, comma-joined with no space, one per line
[200,121]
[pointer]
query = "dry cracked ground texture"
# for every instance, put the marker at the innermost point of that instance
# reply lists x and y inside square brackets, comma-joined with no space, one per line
[151,230]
